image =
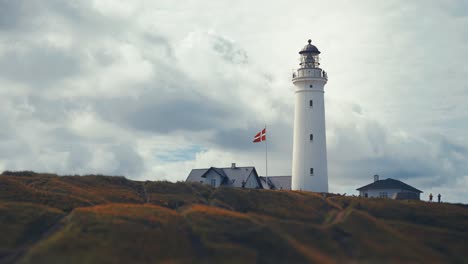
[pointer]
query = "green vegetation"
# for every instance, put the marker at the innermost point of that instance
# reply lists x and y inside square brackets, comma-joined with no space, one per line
[22,224]
[99,219]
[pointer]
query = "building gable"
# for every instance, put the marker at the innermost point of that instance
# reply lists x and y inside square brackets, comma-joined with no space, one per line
[213,178]
[220,172]
[252,181]
[237,175]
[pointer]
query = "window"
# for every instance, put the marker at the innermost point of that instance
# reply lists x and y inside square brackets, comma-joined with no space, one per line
[311,137]
[383,195]
[311,103]
[311,171]
[311,86]
[213,182]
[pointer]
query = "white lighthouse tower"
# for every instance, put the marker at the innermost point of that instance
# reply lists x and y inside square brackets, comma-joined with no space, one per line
[309,165]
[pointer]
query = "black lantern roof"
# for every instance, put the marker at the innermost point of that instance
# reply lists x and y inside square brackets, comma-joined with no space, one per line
[309,48]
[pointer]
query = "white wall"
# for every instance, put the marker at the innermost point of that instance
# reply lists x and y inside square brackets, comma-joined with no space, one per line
[308,120]
[376,193]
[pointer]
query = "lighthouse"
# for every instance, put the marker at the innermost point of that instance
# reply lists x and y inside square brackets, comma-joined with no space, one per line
[309,163]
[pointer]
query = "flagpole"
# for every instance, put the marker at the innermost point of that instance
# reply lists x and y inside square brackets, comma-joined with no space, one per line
[266,158]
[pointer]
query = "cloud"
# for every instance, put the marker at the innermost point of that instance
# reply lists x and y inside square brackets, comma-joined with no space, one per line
[362,147]
[42,68]
[151,90]
[10,13]
[229,51]
[186,113]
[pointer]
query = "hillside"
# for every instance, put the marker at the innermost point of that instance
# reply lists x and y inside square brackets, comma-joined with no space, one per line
[99,219]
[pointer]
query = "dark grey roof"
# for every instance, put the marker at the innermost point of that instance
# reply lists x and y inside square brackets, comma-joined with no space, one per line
[276,182]
[196,175]
[219,171]
[309,48]
[389,184]
[269,186]
[240,174]
[231,176]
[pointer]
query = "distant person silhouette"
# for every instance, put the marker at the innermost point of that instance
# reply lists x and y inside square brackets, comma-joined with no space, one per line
[430,197]
[438,196]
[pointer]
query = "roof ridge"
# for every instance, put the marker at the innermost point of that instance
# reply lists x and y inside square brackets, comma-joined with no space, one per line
[388,183]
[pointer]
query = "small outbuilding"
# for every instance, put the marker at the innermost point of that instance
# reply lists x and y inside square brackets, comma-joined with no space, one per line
[389,188]
[276,182]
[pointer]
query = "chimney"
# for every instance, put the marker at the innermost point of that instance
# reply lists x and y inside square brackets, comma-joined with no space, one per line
[376,178]
[233,165]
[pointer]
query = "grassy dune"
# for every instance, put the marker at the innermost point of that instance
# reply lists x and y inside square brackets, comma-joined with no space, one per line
[98,219]
[22,224]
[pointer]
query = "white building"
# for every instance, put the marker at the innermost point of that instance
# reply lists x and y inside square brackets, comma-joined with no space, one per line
[240,177]
[309,165]
[389,188]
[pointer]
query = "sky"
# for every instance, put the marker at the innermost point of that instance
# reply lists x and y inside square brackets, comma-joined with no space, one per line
[152,89]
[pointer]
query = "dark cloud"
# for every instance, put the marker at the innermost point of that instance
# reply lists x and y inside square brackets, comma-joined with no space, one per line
[448,159]
[29,15]
[457,8]
[396,167]
[159,112]
[229,51]
[236,139]
[178,114]
[11,13]
[159,40]
[39,65]
[368,147]
[47,110]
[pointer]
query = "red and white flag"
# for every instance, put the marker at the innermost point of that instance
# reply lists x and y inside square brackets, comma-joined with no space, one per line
[261,136]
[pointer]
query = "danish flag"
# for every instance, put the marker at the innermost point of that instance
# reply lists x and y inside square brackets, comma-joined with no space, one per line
[261,136]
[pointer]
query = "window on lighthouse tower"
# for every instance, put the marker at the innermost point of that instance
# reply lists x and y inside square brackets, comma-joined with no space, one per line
[311,103]
[311,171]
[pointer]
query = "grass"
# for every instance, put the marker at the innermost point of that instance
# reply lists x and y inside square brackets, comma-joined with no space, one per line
[45,218]
[24,223]
[234,237]
[117,233]
[71,191]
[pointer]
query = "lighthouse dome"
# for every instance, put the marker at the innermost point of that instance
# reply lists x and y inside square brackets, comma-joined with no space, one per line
[309,48]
